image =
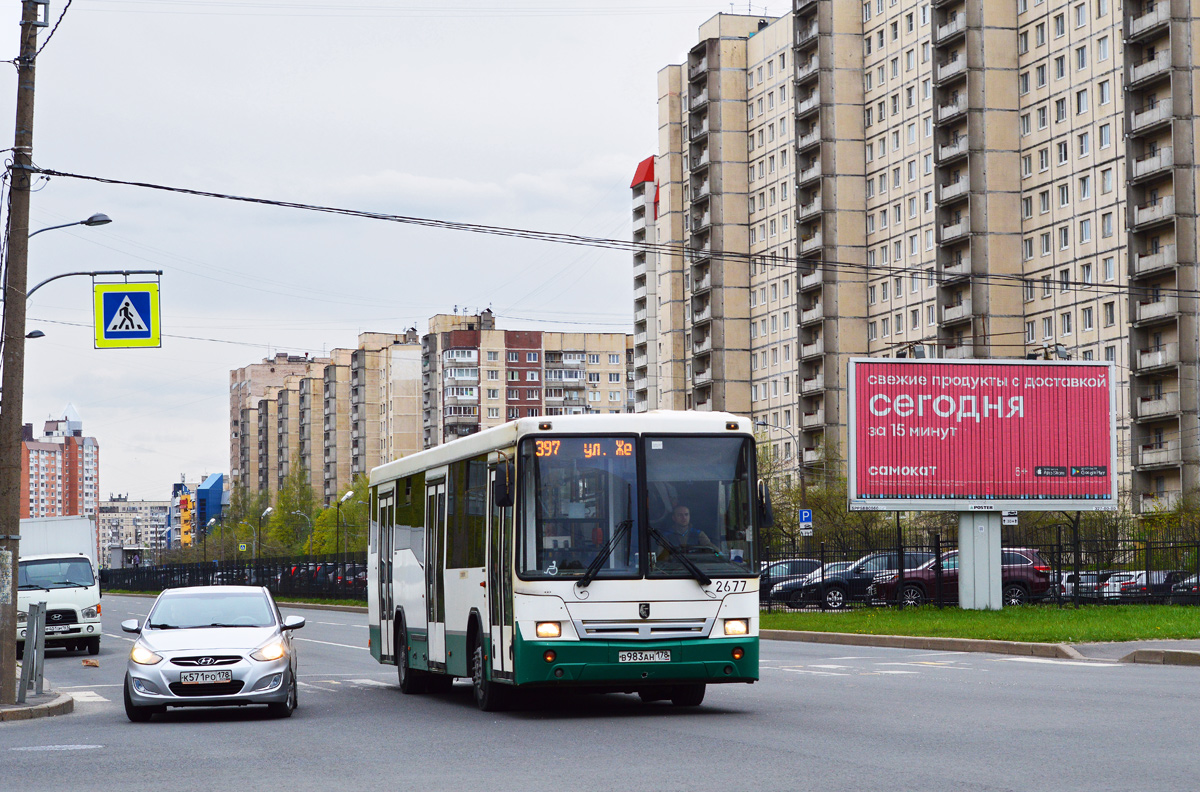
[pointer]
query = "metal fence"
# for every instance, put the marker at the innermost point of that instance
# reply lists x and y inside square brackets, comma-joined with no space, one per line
[1051,568]
[331,576]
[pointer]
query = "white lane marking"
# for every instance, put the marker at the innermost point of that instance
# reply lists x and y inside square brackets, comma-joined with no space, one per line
[119,637]
[1053,661]
[87,697]
[329,643]
[809,671]
[368,682]
[89,687]
[56,748]
[832,667]
[893,671]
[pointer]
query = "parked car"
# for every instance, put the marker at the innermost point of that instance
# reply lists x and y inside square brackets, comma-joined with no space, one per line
[1186,591]
[774,573]
[211,646]
[1090,585]
[1024,577]
[1140,589]
[788,591]
[853,584]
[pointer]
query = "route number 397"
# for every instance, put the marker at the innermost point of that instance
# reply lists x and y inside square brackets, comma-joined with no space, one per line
[728,586]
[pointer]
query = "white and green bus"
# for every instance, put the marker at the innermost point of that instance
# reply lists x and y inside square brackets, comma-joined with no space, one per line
[599,552]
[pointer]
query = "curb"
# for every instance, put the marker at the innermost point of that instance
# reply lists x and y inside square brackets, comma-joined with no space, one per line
[1177,657]
[61,704]
[1059,651]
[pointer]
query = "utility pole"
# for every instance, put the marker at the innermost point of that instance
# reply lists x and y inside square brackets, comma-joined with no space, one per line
[12,380]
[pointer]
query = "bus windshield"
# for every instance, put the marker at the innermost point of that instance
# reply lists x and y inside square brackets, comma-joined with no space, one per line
[698,494]
[581,503]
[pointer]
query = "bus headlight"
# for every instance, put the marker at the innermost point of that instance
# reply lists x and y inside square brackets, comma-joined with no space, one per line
[736,627]
[549,630]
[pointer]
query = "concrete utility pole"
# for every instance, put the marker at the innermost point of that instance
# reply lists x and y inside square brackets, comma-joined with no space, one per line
[12,382]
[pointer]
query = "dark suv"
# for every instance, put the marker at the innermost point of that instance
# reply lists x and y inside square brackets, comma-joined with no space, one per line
[1024,577]
[855,583]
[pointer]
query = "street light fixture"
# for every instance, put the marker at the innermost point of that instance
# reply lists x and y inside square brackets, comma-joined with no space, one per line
[97,219]
[337,533]
[799,456]
[310,531]
[258,533]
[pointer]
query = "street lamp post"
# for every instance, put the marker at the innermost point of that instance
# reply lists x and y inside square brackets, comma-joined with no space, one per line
[337,530]
[800,458]
[310,531]
[258,533]
[97,219]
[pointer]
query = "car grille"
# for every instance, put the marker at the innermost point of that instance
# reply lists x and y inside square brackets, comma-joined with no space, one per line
[217,660]
[648,630]
[63,616]
[215,689]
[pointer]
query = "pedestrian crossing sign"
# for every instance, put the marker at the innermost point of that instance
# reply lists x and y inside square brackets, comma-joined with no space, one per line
[126,315]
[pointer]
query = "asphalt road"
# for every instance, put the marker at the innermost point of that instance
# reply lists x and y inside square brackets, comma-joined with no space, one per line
[822,718]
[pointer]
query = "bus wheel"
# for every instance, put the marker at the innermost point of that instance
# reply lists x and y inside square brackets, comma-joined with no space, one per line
[489,696]
[411,682]
[687,695]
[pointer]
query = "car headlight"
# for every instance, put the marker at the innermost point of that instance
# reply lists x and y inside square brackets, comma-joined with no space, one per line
[549,630]
[270,651]
[736,627]
[143,656]
[92,612]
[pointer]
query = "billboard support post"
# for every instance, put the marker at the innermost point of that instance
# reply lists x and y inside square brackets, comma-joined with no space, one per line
[979,561]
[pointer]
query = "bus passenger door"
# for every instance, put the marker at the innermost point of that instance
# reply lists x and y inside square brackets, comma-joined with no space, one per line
[499,582]
[387,597]
[435,567]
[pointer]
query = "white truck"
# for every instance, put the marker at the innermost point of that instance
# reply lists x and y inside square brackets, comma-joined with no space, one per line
[57,565]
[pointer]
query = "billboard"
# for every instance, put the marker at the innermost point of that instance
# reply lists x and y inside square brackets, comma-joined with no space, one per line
[981,435]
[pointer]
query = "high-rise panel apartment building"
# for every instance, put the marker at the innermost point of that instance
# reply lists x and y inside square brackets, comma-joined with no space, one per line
[60,469]
[955,178]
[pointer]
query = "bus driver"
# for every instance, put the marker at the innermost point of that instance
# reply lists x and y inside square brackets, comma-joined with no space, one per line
[679,532]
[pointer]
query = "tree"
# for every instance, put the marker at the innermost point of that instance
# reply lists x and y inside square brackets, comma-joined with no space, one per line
[288,532]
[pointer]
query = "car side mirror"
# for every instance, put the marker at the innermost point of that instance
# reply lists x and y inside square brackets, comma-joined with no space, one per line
[293,622]
[503,486]
[766,515]
[131,626]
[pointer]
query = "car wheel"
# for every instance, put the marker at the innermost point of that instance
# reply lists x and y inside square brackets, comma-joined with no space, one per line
[796,600]
[411,682]
[912,596]
[135,713]
[1015,594]
[489,696]
[835,597]
[93,646]
[285,708]
[688,695]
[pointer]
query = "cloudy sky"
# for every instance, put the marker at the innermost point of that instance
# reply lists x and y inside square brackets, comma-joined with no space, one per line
[525,114]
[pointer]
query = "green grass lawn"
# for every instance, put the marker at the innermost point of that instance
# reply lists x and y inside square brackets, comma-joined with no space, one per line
[1039,624]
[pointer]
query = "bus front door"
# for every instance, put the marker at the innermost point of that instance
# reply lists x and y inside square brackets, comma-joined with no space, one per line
[435,567]
[387,601]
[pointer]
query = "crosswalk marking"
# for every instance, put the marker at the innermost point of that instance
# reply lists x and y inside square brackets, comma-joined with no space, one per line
[87,696]
[1054,661]
[368,682]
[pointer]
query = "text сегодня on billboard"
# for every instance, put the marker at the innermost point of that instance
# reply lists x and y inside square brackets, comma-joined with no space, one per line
[949,435]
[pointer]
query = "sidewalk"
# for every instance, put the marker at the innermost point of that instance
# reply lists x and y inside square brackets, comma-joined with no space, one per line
[43,706]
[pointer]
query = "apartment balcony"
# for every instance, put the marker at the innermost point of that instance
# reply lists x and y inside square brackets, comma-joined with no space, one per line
[806,70]
[696,69]
[639,338]
[954,27]
[807,105]
[702,377]
[639,316]
[701,221]
[639,293]
[806,34]
[953,150]
[1150,69]
[701,192]
[641,362]
[698,100]
[958,351]
[699,161]
[951,232]
[1157,311]
[812,384]
[639,199]
[953,191]
[958,312]
[956,271]
[1162,259]
[956,67]
[815,349]
[1159,406]
[1163,356]
[461,399]
[702,347]
[454,420]
[812,315]
[1150,116]
[812,280]
[811,456]
[1148,214]
[799,6]
[811,420]
[1152,165]
[809,210]
[702,285]
[1160,501]
[809,174]
[1161,454]
[809,139]
[449,379]
[639,222]
[1150,23]
[639,265]
[951,110]
[570,384]
[811,243]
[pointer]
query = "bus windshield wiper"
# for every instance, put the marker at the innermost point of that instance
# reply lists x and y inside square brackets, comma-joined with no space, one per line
[679,553]
[598,562]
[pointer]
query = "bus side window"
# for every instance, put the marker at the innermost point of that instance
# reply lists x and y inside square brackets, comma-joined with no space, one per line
[416,542]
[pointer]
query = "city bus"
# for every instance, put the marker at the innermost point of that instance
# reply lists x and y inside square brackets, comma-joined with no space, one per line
[612,553]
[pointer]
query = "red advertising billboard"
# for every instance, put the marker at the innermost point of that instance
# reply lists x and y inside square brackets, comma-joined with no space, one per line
[981,435]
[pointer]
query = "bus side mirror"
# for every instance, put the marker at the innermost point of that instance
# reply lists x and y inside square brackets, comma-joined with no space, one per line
[766,515]
[502,489]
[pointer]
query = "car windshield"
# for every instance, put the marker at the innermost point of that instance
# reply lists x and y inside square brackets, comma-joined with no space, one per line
[582,497]
[188,609]
[55,573]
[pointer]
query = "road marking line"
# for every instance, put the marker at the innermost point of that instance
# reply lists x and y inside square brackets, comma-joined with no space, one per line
[368,682]
[833,667]
[89,687]
[1052,661]
[892,671]
[87,697]
[329,643]
[119,637]
[809,671]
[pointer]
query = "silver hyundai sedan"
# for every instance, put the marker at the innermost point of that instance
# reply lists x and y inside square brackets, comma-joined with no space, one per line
[211,646]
